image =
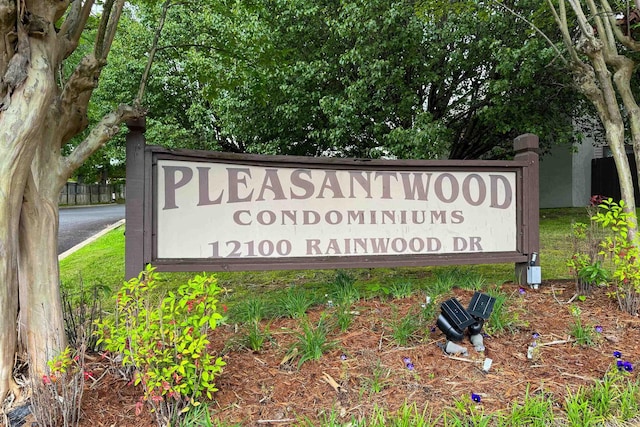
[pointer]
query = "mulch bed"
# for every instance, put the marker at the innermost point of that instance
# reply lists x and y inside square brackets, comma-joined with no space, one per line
[366,368]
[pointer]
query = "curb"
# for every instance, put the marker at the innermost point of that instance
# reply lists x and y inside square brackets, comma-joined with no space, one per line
[90,239]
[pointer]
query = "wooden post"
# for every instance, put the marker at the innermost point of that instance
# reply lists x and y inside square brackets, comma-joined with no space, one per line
[134,208]
[526,147]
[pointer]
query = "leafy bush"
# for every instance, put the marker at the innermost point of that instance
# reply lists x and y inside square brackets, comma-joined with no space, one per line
[166,343]
[623,253]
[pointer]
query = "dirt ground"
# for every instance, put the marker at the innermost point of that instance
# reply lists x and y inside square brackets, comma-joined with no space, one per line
[370,369]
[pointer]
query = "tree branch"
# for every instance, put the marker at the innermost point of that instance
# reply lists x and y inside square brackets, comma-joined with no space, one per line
[604,30]
[625,39]
[586,30]
[74,24]
[152,53]
[112,26]
[71,105]
[534,27]
[101,35]
[104,130]
[561,19]
[8,30]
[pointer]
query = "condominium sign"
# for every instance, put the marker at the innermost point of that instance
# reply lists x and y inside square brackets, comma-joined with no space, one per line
[222,210]
[193,210]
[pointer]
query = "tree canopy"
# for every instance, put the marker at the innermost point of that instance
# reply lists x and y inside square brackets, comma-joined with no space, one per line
[406,79]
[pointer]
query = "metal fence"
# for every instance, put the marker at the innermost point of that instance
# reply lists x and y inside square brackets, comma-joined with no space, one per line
[91,194]
[604,177]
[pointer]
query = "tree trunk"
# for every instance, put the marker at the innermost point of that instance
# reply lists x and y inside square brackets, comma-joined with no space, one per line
[596,83]
[9,209]
[611,118]
[37,118]
[41,329]
[615,138]
[21,125]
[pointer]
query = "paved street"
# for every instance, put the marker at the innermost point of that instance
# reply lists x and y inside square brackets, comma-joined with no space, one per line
[79,223]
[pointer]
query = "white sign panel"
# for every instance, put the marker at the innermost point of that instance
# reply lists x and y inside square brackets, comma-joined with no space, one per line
[222,210]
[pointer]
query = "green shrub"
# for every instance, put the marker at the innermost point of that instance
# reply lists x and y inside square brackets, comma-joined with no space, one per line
[623,253]
[166,343]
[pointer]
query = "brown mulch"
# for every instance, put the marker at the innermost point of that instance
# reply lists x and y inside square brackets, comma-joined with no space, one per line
[255,387]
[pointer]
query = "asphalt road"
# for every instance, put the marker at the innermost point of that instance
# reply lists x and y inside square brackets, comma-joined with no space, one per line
[79,223]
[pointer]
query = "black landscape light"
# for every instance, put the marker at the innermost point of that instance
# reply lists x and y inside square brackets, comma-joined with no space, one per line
[454,319]
[480,309]
[481,306]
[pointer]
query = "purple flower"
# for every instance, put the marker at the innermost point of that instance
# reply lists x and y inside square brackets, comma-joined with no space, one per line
[617,354]
[598,329]
[619,364]
[536,335]
[406,360]
[343,356]
[522,291]
[476,397]
[534,344]
[410,366]
[628,366]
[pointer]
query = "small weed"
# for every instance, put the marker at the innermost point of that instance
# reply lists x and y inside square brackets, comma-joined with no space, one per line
[428,310]
[312,342]
[343,289]
[444,281]
[578,411]
[256,336]
[405,329]
[328,419]
[252,310]
[344,316]
[584,334]
[402,289]
[378,380]
[377,290]
[502,317]
[466,413]
[614,396]
[470,279]
[536,411]
[407,415]
[295,302]
[628,404]
[200,416]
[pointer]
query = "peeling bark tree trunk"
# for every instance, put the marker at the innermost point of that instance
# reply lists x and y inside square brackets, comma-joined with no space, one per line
[19,129]
[37,118]
[9,209]
[41,322]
